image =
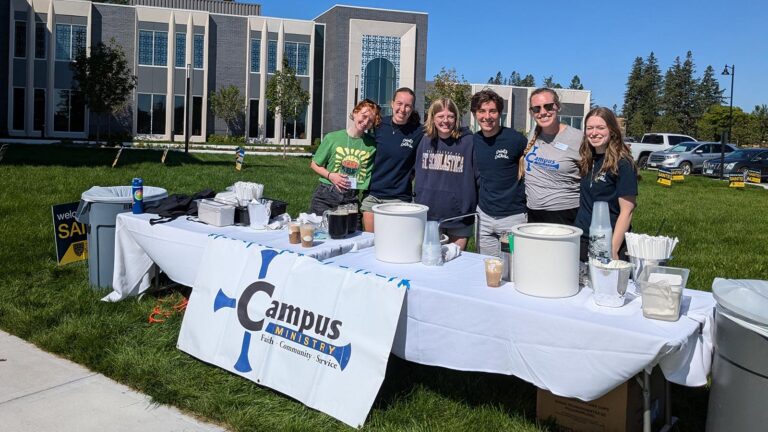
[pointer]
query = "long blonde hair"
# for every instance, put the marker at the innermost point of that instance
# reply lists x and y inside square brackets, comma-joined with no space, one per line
[439,105]
[537,130]
[615,149]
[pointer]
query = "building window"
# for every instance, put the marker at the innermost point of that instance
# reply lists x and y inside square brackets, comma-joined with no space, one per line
[70,111]
[297,128]
[181,50]
[197,115]
[253,119]
[297,55]
[255,55]
[199,43]
[18,108]
[379,83]
[178,115]
[20,39]
[41,40]
[573,121]
[151,114]
[271,56]
[70,40]
[38,121]
[153,48]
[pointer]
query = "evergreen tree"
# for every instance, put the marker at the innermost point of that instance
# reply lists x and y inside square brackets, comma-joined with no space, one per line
[632,98]
[709,92]
[549,82]
[650,89]
[528,81]
[576,83]
[514,79]
[498,79]
[679,100]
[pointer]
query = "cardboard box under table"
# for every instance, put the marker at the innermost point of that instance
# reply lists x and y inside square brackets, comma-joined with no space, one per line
[620,410]
[569,346]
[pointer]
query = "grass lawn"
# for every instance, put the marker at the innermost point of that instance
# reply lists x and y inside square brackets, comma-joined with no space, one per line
[723,233]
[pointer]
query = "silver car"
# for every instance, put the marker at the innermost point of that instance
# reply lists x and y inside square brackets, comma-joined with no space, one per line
[688,156]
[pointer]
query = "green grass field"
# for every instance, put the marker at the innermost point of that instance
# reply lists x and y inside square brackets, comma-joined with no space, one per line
[723,233]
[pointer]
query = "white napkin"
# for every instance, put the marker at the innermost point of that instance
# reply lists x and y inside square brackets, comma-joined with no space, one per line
[226,198]
[450,251]
[309,218]
[279,222]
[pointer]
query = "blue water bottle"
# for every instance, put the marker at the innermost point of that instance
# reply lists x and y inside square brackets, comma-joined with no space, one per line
[137,192]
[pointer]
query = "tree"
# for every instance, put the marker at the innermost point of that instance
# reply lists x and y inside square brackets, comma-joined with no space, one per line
[709,92]
[650,93]
[228,105]
[716,120]
[286,97]
[576,83]
[514,79]
[498,79]
[528,81]
[632,98]
[760,115]
[104,79]
[550,83]
[679,98]
[448,84]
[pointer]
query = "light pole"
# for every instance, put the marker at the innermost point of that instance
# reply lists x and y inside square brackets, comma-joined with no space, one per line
[728,70]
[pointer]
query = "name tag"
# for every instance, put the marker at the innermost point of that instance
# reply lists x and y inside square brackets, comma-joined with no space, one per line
[561,146]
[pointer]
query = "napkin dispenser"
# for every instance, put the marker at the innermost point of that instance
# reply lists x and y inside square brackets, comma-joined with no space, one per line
[215,213]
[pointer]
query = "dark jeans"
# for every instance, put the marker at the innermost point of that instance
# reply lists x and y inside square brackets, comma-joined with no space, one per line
[562,217]
[327,197]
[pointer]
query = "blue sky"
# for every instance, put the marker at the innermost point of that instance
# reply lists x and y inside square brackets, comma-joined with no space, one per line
[596,40]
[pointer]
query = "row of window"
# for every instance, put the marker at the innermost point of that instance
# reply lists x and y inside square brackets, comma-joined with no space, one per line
[151,111]
[296,53]
[153,49]
[69,114]
[70,40]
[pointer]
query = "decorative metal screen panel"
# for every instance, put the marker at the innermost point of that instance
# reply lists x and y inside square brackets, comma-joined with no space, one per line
[255,55]
[181,50]
[386,47]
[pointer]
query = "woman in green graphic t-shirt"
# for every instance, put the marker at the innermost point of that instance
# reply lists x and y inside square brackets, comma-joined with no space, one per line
[345,159]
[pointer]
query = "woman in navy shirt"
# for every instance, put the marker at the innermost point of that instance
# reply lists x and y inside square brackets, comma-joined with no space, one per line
[608,173]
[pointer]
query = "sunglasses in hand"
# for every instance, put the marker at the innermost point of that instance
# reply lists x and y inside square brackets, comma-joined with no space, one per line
[547,107]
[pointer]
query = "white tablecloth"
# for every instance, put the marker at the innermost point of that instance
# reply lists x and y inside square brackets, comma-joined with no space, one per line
[569,346]
[177,248]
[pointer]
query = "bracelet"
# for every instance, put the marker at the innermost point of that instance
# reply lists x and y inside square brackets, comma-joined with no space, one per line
[328,176]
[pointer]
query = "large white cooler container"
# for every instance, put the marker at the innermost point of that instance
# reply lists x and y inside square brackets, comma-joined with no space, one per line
[546,259]
[399,231]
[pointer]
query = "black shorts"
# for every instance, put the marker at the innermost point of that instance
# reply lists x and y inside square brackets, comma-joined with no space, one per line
[327,197]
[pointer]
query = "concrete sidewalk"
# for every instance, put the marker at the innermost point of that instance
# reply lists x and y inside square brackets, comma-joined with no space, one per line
[42,392]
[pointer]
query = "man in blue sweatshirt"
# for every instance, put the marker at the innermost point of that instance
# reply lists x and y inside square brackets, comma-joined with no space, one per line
[501,194]
[397,137]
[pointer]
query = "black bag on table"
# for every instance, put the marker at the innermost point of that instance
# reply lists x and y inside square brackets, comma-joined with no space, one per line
[176,205]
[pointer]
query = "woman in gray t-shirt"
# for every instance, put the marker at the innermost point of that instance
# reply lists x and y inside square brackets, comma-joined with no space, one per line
[550,164]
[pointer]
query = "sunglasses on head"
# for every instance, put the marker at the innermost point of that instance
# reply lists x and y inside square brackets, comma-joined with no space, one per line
[547,107]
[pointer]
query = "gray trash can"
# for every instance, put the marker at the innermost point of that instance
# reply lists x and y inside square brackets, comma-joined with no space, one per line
[98,209]
[737,398]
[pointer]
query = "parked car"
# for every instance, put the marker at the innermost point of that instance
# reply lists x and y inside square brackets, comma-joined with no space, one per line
[652,142]
[739,161]
[688,156]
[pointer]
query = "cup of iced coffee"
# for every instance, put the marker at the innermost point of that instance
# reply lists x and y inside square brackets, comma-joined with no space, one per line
[493,270]
[294,234]
[307,235]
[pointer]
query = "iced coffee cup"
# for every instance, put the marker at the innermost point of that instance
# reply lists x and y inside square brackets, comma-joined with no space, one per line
[493,269]
[307,232]
[294,234]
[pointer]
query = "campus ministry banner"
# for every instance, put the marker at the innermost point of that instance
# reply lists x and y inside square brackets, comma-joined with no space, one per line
[317,333]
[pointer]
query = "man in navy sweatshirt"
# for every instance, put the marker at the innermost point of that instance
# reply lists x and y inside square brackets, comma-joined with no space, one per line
[501,194]
[397,137]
